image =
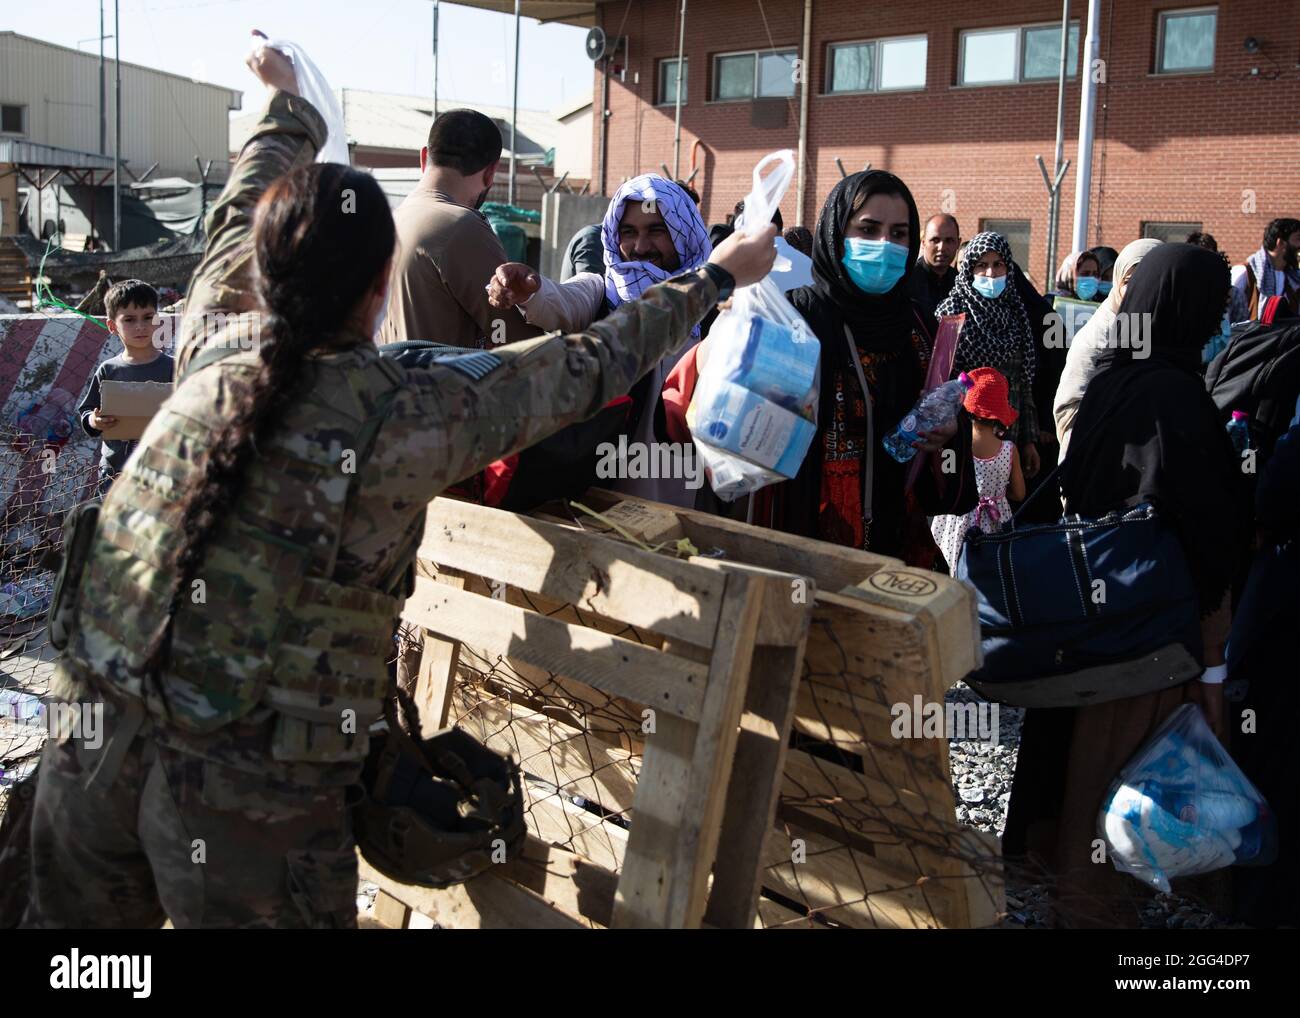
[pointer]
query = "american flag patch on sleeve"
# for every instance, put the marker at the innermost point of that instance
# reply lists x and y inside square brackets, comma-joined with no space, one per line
[476,365]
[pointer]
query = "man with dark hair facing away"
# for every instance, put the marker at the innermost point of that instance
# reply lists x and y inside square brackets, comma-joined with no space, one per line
[446,251]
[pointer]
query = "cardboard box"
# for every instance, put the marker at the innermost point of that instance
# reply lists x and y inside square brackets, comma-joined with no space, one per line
[132,403]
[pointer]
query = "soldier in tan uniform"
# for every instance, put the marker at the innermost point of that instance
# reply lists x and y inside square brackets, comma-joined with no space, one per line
[235,608]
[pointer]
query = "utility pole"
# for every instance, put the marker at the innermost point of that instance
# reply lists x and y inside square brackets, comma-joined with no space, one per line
[103,109]
[677,130]
[514,110]
[1087,126]
[435,58]
[117,132]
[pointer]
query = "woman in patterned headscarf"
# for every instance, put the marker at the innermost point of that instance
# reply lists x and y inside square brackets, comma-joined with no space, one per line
[997,332]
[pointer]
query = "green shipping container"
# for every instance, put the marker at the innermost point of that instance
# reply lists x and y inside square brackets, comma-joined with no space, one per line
[512,237]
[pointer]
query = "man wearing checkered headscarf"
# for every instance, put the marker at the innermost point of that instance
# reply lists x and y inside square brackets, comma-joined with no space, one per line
[626,279]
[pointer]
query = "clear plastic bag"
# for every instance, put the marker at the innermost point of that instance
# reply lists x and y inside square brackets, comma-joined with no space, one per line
[313,87]
[754,412]
[1182,806]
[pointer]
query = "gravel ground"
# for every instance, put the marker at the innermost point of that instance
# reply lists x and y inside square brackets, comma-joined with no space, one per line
[981,776]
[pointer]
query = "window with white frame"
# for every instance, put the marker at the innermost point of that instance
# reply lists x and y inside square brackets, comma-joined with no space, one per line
[1008,56]
[1185,40]
[13,119]
[876,65]
[761,74]
[668,81]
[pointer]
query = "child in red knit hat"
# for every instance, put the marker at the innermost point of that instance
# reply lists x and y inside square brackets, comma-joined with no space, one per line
[997,464]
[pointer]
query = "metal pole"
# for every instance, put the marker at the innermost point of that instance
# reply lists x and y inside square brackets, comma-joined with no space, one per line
[604,115]
[1087,116]
[103,110]
[514,109]
[117,132]
[1054,201]
[435,57]
[677,130]
[802,184]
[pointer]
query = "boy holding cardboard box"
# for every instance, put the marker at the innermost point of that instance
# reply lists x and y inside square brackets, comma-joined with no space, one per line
[132,309]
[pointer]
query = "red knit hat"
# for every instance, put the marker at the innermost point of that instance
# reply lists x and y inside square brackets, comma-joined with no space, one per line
[987,397]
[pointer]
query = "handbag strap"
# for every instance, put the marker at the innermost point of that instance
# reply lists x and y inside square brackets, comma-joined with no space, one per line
[1046,482]
[869,467]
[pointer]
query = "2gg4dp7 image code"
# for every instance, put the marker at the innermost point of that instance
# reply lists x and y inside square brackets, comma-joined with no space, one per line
[1172,960]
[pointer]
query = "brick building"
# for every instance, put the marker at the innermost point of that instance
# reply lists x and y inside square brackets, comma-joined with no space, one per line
[1193,129]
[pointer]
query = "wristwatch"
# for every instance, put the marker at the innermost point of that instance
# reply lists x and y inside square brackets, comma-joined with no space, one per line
[722,279]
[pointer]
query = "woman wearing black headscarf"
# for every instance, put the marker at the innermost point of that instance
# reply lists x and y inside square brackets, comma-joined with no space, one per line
[867,240]
[1145,432]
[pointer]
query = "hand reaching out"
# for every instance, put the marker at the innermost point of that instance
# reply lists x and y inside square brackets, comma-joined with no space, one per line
[272,67]
[512,283]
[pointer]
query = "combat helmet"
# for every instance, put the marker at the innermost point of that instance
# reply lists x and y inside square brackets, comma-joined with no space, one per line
[438,810]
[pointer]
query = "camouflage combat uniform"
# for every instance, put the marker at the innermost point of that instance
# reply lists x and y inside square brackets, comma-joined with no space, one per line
[219,794]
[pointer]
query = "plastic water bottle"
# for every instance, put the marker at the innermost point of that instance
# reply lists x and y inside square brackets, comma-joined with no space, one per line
[1239,431]
[933,410]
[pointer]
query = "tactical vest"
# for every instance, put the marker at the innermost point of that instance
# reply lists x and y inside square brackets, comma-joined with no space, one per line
[264,622]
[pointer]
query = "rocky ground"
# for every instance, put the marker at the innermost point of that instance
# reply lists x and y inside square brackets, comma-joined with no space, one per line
[981,776]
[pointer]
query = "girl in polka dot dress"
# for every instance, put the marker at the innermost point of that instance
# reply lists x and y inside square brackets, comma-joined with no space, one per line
[997,464]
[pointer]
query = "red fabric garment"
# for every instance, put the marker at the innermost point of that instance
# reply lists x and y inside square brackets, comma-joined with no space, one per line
[679,388]
[496,479]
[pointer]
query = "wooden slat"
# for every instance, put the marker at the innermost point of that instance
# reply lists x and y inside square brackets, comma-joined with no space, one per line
[679,805]
[556,822]
[567,881]
[567,757]
[881,654]
[391,912]
[651,591]
[667,683]
[879,810]
[755,776]
[775,916]
[852,887]
[437,675]
[484,903]
[944,608]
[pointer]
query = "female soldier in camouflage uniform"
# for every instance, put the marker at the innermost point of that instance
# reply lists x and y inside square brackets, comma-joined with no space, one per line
[238,599]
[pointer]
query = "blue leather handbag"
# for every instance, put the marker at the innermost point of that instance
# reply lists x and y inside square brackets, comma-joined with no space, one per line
[1082,610]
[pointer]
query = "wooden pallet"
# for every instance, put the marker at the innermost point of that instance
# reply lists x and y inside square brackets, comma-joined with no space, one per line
[694,664]
[870,817]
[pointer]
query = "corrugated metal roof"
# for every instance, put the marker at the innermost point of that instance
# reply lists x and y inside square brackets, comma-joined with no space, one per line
[29,153]
[390,120]
[166,118]
[235,95]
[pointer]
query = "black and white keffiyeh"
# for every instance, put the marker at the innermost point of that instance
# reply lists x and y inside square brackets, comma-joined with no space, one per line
[995,329]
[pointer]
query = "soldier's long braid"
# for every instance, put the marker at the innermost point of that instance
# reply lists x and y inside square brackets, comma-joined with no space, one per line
[322,235]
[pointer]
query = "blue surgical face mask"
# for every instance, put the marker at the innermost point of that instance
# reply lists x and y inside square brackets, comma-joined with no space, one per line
[875,266]
[1103,288]
[1086,287]
[1225,327]
[990,286]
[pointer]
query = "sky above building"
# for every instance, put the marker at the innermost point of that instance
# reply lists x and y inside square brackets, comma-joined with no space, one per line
[382,45]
